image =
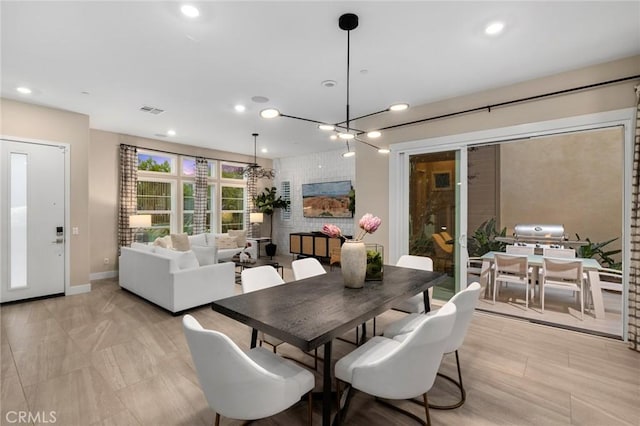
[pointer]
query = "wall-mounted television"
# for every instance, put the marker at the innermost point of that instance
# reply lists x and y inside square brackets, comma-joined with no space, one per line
[326,199]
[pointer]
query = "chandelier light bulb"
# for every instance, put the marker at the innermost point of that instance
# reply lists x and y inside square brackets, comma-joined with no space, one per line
[383,150]
[349,154]
[327,127]
[333,137]
[374,134]
[346,136]
[269,113]
[23,90]
[398,107]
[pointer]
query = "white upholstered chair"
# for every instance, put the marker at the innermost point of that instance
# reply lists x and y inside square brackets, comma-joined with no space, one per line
[244,385]
[258,278]
[562,274]
[465,302]
[512,269]
[414,304]
[392,369]
[307,267]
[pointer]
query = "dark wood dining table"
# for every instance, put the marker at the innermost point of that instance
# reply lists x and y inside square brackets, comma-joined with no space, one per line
[312,312]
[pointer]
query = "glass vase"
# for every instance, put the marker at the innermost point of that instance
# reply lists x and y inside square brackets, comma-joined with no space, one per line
[353,261]
[375,262]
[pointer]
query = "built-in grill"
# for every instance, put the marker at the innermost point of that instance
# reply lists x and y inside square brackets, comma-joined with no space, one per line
[538,235]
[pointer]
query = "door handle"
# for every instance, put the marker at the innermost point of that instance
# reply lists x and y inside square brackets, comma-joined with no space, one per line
[59,240]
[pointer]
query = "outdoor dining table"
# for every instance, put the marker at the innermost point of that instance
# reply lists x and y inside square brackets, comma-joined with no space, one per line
[590,267]
[312,312]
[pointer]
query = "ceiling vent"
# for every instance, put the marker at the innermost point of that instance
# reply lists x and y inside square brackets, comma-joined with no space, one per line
[151,110]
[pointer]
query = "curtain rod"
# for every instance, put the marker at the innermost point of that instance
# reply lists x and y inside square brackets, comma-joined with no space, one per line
[184,155]
[515,101]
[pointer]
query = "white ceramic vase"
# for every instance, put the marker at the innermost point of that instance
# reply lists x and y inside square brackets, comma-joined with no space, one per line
[353,262]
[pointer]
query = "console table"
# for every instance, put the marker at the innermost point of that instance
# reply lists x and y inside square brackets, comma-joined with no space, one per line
[314,244]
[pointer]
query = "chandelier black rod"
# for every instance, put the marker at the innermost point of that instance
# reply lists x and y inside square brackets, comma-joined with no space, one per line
[367,143]
[348,67]
[321,122]
[339,124]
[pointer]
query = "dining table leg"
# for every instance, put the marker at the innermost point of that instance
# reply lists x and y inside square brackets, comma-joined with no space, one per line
[254,337]
[326,386]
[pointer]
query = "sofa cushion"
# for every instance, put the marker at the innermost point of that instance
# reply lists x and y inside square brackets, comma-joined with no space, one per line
[142,247]
[206,255]
[180,242]
[211,239]
[184,259]
[164,242]
[198,240]
[226,242]
[240,236]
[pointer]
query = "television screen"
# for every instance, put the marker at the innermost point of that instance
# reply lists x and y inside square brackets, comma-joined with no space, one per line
[326,199]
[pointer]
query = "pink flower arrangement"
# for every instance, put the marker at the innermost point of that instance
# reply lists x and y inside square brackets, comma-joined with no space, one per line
[368,223]
[331,230]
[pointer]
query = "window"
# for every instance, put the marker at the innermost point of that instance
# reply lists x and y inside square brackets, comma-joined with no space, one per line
[232,206]
[233,171]
[156,162]
[156,197]
[188,167]
[188,201]
[285,190]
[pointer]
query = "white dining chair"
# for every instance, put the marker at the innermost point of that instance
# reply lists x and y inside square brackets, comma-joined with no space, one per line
[524,250]
[559,253]
[563,274]
[465,301]
[244,385]
[258,278]
[392,369]
[414,304]
[513,269]
[307,267]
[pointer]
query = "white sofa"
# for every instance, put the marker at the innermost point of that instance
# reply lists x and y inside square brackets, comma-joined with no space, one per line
[225,247]
[174,281]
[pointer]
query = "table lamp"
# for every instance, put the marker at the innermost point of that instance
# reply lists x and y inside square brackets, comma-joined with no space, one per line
[138,221]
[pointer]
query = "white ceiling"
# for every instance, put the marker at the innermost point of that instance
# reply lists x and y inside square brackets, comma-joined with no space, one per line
[130,54]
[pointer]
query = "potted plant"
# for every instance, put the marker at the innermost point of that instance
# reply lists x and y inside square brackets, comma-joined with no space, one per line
[267,202]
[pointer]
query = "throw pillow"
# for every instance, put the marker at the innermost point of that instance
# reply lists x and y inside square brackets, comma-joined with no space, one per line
[184,259]
[241,237]
[226,242]
[180,242]
[198,240]
[205,255]
[211,239]
[164,242]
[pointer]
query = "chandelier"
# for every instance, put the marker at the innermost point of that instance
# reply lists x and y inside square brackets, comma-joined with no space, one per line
[344,130]
[253,170]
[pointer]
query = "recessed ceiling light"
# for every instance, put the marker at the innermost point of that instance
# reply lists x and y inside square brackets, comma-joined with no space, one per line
[190,11]
[171,132]
[494,28]
[23,90]
[333,137]
[325,127]
[398,107]
[374,134]
[240,108]
[329,83]
[264,150]
[269,113]
[260,99]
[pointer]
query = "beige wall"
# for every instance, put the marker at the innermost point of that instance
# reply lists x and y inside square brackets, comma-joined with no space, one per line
[573,179]
[29,121]
[371,170]
[103,187]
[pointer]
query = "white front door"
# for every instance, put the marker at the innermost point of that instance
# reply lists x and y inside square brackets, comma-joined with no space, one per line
[32,212]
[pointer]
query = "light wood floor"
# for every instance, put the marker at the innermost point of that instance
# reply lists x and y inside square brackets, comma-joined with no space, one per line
[110,358]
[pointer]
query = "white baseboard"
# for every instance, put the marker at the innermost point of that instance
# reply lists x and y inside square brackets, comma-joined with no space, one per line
[103,275]
[78,289]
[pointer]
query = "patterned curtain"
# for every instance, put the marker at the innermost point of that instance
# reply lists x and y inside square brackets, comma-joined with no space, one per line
[634,272]
[128,193]
[200,196]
